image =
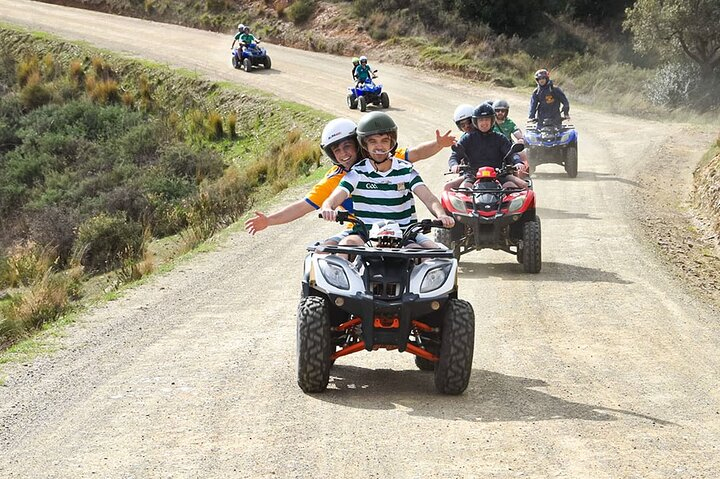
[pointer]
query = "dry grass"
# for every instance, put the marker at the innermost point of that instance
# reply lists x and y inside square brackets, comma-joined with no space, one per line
[26,263]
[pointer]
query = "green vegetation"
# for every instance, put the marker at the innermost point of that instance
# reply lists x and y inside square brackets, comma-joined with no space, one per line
[99,156]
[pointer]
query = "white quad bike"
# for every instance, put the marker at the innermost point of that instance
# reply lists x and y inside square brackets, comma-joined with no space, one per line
[389,297]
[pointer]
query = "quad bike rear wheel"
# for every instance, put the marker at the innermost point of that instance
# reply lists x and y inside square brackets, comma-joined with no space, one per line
[314,344]
[385,100]
[362,103]
[530,255]
[352,101]
[452,371]
[571,161]
[247,65]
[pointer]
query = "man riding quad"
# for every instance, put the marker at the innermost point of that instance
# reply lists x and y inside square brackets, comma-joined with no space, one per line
[484,147]
[546,101]
[363,72]
[504,125]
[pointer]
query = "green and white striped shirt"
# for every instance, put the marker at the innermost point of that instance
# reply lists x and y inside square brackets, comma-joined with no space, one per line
[382,196]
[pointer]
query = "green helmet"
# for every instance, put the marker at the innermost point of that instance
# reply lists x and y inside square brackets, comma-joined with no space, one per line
[355,60]
[376,123]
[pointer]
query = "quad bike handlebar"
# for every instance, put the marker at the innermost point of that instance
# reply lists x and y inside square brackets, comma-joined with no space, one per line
[410,233]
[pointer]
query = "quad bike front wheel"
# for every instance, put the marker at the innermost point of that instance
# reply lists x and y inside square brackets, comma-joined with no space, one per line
[314,344]
[450,238]
[452,371]
[530,255]
[247,65]
[362,103]
[235,62]
[571,161]
[384,100]
[352,101]
[268,63]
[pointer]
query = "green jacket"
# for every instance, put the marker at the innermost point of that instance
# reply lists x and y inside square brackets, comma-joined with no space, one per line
[507,128]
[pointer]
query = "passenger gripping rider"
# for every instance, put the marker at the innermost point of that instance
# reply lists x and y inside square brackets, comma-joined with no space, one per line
[355,62]
[241,32]
[546,100]
[485,147]
[247,38]
[339,142]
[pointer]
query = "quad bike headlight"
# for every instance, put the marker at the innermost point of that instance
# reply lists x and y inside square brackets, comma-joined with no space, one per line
[457,203]
[565,137]
[434,278]
[334,274]
[516,204]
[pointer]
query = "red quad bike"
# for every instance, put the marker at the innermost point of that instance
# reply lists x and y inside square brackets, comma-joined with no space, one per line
[490,216]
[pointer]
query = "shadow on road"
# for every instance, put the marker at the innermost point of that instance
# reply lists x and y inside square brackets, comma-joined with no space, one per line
[491,397]
[512,271]
[554,214]
[584,176]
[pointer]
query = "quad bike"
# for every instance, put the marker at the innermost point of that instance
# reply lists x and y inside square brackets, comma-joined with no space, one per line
[491,216]
[552,143]
[249,57]
[387,297]
[364,94]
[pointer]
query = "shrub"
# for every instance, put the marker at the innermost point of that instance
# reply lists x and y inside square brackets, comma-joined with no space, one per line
[102,241]
[26,263]
[26,69]
[76,73]
[300,11]
[232,126]
[34,94]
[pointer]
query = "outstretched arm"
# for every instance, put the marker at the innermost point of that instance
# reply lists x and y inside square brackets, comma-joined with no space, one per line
[290,213]
[434,205]
[428,149]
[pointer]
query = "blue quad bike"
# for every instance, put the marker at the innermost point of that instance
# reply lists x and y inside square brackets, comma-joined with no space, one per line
[552,143]
[365,94]
[252,56]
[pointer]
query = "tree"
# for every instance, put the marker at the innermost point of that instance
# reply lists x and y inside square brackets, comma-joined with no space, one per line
[674,26]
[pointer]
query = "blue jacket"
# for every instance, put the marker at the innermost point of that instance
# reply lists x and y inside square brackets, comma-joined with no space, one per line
[545,103]
[484,149]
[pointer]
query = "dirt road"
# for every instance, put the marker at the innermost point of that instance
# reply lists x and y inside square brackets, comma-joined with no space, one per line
[600,366]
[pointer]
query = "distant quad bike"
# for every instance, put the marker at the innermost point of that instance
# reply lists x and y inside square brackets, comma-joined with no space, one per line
[252,56]
[552,143]
[384,298]
[365,94]
[490,216]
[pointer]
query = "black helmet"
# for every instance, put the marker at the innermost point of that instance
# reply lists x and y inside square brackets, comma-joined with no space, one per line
[483,110]
[376,123]
[501,105]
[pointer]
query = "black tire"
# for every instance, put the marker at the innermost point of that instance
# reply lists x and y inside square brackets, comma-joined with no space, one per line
[235,62]
[352,101]
[247,65]
[362,103]
[314,344]
[424,364]
[571,161]
[384,100]
[450,237]
[531,251]
[452,372]
[268,62]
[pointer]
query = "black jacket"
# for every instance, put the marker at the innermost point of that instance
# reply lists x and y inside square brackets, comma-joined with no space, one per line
[484,149]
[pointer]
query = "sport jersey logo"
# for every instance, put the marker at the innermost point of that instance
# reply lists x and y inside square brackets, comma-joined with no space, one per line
[549,99]
[371,186]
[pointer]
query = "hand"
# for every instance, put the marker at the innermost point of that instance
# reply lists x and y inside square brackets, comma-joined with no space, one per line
[328,214]
[532,120]
[521,168]
[455,169]
[447,221]
[258,223]
[444,140]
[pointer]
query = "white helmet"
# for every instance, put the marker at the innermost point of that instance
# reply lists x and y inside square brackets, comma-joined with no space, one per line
[463,112]
[335,131]
[386,233]
[241,27]
[363,59]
